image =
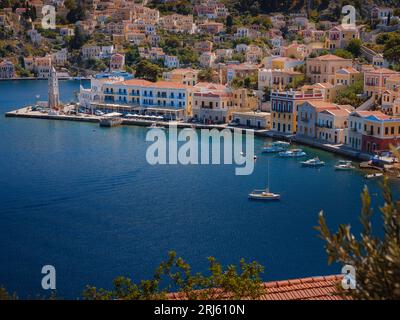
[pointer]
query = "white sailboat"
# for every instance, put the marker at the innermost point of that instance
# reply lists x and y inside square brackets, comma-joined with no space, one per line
[264,194]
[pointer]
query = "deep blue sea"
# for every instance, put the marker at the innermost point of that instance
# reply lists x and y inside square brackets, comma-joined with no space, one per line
[84,199]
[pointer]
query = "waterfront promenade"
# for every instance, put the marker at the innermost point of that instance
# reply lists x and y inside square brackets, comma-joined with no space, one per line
[25,112]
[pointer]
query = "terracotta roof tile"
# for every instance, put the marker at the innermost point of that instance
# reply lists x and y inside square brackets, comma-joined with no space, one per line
[312,288]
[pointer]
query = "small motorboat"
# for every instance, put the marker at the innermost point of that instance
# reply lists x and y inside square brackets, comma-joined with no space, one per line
[315,162]
[277,146]
[293,153]
[374,175]
[263,194]
[344,165]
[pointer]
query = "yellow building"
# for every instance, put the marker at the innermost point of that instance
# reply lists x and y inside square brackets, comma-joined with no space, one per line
[284,108]
[340,36]
[347,76]
[185,76]
[323,68]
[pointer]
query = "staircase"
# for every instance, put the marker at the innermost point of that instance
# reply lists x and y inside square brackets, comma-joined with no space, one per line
[367,105]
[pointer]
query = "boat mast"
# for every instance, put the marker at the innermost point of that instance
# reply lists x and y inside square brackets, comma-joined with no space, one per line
[268,175]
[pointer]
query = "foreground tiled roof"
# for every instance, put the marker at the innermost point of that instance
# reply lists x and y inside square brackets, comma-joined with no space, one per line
[313,288]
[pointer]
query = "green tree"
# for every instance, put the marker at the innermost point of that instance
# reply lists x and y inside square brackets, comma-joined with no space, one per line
[205,75]
[175,274]
[229,23]
[350,95]
[132,55]
[343,53]
[77,11]
[375,259]
[354,47]
[391,50]
[78,40]
[148,70]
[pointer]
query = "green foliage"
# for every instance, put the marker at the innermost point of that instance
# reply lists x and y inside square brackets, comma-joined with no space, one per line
[354,47]
[205,75]
[96,64]
[178,6]
[188,55]
[343,53]
[349,94]
[391,50]
[375,259]
[238,57]
[131,55]
[297,82]
[77,11]
[148,70]
[176,275]
[78,40]
[229,24]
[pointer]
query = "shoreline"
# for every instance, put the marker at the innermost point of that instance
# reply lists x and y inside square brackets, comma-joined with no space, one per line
[46,79]
[336,149]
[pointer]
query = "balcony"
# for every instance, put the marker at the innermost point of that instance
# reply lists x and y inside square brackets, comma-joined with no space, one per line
[322,125]
[304,119]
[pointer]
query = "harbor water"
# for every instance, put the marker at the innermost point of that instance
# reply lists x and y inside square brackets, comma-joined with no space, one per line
[84,199]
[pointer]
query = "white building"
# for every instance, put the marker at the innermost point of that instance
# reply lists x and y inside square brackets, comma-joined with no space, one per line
[171,61]
[7,70]
[60,57]
[207,59]
[165,98]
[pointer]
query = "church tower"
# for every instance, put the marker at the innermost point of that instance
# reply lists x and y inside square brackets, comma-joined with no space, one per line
[53,90]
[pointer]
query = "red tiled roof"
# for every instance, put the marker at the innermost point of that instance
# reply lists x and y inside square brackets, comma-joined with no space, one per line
[383,70]
[313,288]
[327,57]
[322,105]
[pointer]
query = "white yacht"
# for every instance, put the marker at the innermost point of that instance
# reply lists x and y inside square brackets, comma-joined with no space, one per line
[277,146]
[264,194]
[344,165]
[292,153]
[315,162]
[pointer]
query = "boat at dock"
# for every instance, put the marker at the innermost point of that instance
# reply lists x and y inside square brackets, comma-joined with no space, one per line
[293,153]
[374,175]
[277,146]
[155,126]
[344,165]
[314,163]
[264,194]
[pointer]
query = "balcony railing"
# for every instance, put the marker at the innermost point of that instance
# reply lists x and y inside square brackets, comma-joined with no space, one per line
[321,125]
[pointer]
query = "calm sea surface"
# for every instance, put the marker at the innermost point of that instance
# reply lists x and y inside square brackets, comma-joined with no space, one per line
[85,200]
